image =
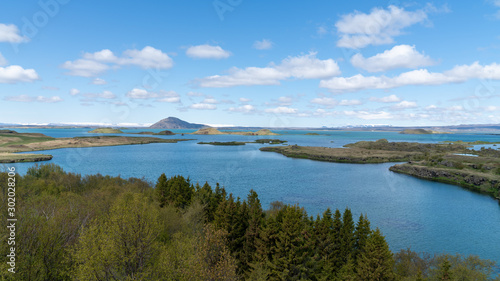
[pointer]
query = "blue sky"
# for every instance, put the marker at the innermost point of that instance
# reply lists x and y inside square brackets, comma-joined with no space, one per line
[250,63]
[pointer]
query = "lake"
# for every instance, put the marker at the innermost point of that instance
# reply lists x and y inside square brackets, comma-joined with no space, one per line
[424,215]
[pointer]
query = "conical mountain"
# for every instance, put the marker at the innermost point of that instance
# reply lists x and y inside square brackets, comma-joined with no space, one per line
[175,123]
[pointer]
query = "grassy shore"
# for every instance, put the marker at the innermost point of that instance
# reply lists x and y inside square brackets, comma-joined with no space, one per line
[106,131]
[262,141]
[12,142]
[214,131]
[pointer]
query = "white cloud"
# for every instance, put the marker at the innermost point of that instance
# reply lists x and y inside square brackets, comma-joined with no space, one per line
[104,95]
[329,102]
[210,100]
[148,57]
[3,61]
[301,67]
[380,26]
[282,110]
[264,44]
[350,102]
[14,74]
[369,115]
[161,96]
[207,52]
[74,92]
[244,100]
[139,94]
[93,64]
[247,108]
[84,67]
[387,99]
[102,56]
[401,56]
[26,98]
[203,106]
[457,74]
[99,81]
[405,104]
[10,33]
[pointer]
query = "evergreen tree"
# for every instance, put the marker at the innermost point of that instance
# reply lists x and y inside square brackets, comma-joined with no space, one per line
[361,235]
[376,261]
[346,236]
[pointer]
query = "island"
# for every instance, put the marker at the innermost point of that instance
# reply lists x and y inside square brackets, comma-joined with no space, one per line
[12,142]
[175,123]
[106,130]
[261,141]
[214,131]
[453,163]
[421,132]
[161,133]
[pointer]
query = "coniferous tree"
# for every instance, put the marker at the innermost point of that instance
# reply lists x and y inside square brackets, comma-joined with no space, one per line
[361,235]
[376,261]
[346,236]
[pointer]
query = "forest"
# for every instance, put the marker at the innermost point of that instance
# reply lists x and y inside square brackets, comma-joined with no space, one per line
[97,227]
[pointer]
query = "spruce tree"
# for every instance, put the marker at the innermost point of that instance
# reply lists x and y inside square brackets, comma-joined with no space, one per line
[376,261]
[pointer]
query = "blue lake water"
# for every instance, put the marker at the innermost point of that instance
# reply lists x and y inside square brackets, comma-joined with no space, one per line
[426,216]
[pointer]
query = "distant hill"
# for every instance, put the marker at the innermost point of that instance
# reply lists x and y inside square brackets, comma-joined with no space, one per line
[175,123]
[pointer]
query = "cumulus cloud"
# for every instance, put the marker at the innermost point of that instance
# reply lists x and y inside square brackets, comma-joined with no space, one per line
[14,74]
[104,95]
[195,94]
[282,110]
[74,92]
[264,44]
[160,96]
[10,33]
[350,102]
[325,101]
[301,67]
[247,108]
[401,56]
[99,81]
[93,64]
[457,74]
[207,52]
[84,67]
[380,26]
[26,98]
[203,106]
[244,100]
[387,99]
[210,100]
[405,104]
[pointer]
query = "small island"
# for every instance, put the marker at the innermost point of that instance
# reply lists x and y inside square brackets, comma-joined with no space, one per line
[106,130]
[12,142]
[420,132]
[214,131]
[161,133]
[261,141]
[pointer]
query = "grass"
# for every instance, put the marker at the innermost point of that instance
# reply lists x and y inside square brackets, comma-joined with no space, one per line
[15,158]
[230,143]
[106,131]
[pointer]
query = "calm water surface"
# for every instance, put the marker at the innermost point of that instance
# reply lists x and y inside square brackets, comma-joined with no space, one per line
[423,215]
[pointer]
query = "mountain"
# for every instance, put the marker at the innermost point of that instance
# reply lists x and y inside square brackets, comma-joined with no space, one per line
[175,123]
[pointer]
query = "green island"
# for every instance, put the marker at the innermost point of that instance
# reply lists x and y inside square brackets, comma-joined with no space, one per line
[262,141]
[454,163]
[312,134]
[97,227]
[161,133]
[229,143]
[421,132]
[214,131]
[12,142]
[106,131]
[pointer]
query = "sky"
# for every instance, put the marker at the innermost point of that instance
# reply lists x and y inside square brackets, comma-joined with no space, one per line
[250,63]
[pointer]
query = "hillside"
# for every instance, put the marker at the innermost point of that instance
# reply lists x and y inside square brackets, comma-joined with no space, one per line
[175,123]
[420,132]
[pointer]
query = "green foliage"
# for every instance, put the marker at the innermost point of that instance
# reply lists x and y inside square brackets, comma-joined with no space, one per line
[99,227]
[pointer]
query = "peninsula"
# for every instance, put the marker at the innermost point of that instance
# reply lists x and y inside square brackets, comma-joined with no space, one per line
[12,142]
[450,163]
